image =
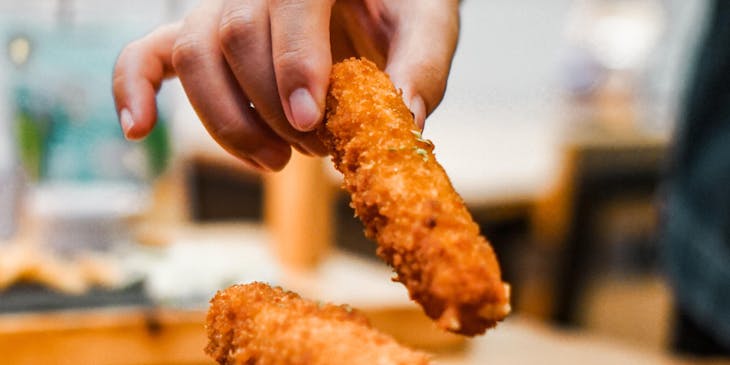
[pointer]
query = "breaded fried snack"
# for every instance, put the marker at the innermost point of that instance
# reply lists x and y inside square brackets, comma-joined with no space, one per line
[407,203]
[257,324]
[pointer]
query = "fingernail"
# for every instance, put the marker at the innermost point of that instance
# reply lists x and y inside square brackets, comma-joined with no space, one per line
[304,110]
[418,109]
[126,120]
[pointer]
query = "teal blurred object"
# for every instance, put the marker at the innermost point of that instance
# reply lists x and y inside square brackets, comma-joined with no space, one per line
[64,119]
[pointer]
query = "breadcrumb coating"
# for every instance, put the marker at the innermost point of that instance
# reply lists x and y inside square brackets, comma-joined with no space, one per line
[257,324]
[407,203]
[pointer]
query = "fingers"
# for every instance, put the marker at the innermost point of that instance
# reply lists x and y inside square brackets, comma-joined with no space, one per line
[244,33]
[275,54]
[421,52]
[215,95]
[138,74]
[355,31]
[301,58]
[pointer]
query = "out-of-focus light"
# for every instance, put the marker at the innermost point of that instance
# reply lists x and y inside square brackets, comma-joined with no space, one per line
[619,34]
[622,41]
[19,50]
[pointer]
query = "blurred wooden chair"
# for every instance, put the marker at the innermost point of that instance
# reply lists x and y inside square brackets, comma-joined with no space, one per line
[597,170]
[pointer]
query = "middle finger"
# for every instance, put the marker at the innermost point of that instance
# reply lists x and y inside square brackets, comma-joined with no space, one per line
[216,97]
[245,40]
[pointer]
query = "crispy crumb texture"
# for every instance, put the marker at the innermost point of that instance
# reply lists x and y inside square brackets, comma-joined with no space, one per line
[407,203]
[257,324]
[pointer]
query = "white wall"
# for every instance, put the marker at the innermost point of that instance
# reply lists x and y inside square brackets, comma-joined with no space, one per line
[499,127]
[496,130]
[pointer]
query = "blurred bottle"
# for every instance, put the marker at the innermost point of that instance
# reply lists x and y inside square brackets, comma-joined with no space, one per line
[85,180]
[10,179]
[608,47]
[9,171]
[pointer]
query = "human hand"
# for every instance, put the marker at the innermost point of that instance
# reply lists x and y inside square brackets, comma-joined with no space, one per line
[256,71]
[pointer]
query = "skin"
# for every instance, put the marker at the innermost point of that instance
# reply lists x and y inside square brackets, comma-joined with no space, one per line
[256,71]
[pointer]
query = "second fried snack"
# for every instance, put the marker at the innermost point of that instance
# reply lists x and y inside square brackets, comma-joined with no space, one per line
[257,324]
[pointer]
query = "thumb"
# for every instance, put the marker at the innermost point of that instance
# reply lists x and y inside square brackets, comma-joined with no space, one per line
[420,55]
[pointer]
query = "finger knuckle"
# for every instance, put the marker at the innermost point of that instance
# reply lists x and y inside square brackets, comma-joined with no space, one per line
[127,53]
[237,29]
[225,130]
[296,58]
[186,52]
[118,82]
[231,134]
[284,4]
[119,74]
[292,54]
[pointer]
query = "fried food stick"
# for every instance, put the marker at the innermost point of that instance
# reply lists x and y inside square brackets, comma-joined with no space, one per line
[407,203]
[258,324]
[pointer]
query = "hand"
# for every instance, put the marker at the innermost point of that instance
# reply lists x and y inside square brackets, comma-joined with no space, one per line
[256,71]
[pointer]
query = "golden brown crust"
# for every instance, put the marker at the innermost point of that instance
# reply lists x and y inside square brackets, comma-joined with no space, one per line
[407,203]
[257,324]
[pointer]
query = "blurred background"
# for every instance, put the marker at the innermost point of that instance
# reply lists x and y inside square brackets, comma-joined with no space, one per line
[555,129]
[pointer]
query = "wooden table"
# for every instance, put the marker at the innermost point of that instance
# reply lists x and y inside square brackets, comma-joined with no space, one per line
[111,336]
[167,336]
